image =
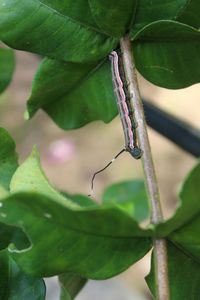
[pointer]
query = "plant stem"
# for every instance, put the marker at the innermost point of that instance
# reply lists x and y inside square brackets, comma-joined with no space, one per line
[160,251]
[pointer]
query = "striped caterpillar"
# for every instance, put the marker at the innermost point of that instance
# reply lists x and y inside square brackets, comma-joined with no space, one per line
[125,113]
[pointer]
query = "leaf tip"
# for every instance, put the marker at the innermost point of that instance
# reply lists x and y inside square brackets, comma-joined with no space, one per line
[27,115]
[35,152]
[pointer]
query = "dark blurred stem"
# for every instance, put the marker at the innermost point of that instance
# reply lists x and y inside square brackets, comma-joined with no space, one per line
[176,130]
[160,251]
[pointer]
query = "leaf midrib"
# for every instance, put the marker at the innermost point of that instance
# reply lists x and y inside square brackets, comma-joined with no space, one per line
[67,227]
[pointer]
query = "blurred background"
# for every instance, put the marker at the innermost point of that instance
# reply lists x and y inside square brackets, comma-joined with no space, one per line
[70,158]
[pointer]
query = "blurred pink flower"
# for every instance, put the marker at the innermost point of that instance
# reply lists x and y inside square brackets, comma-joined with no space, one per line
[60,151]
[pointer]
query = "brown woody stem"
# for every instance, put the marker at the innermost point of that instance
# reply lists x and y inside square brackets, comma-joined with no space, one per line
[160,249]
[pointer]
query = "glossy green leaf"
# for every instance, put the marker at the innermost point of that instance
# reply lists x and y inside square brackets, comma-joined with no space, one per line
[83,93]
[149,11]
[162,49]
[189,205]
[15,285]
[90,242]
[39,27]
[187,236]
[8,165]
[74,11]
[67,232]
[70,285]
[114,17]
[167,54]
[183,228]
[189,14]
[184,11]
[8,158]
[184,275]
[7,66]
[54,80]
[129,196]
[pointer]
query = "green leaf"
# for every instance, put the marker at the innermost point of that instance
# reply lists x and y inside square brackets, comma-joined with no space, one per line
[83,93]
[30,177]
[3,192]
[184,275]
[183,228]
[47,29]
[189,206]
[8,165]
[114,16]
[70,285]
[167,54]
[189,14]
[155,10]
[129,196]
[90,241]
[74,11]
[80,200]
[187,235]
[15,285]
[7,63]
[11,234]
[187,238]
[8,158]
